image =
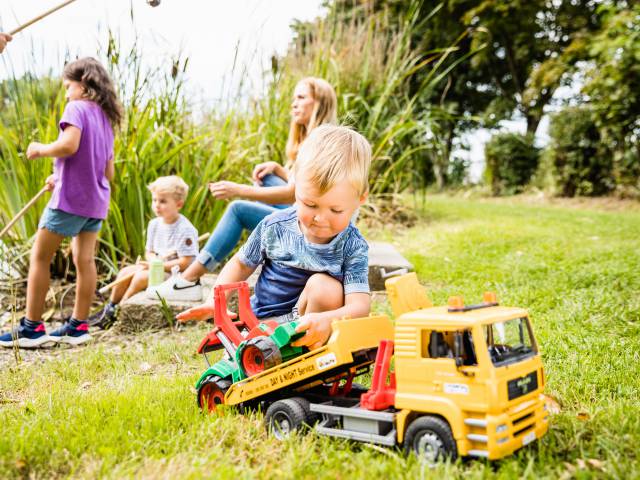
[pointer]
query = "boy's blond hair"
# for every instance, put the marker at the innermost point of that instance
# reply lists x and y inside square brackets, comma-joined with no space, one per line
[331,154]
[171,185]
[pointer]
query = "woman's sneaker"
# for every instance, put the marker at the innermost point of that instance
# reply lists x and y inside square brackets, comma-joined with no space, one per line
[176,288]
[72,332]
[26,335]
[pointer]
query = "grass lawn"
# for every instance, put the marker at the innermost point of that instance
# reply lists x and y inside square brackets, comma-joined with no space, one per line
[125,407]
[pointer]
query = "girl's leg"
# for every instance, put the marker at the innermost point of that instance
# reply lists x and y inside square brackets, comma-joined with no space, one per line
[138,283]
[239,215]
[42,253]
[84,246]
[119,290]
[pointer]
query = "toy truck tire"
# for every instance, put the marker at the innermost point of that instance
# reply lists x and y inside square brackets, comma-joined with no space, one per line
[259,354]
[211,392]
[286,416]
[430,438]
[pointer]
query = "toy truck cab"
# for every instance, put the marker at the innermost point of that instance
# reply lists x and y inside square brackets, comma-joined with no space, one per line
[467,381]
[478,369]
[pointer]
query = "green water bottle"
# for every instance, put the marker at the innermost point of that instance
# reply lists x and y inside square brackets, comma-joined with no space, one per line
[156,272]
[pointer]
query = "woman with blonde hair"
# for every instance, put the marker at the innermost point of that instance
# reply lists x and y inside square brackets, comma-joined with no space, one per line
[314,104]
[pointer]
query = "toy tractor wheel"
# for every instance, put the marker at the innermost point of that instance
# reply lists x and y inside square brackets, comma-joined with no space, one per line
[287,416]
[211,393]
[259,354]
[430,438]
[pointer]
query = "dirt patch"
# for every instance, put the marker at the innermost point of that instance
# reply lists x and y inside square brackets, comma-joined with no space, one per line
[109,340]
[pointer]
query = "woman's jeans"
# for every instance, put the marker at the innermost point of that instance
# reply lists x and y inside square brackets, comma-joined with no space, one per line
[239,215]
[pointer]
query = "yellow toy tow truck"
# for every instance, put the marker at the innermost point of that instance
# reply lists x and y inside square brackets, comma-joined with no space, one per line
[467,380]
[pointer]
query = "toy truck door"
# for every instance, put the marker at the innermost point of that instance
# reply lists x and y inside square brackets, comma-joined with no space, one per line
[431,370]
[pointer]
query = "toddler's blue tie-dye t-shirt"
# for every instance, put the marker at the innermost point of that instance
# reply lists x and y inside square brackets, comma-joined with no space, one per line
[288,259]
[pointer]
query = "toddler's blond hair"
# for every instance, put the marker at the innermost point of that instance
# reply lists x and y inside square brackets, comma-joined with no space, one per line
[331,154]
[171,185]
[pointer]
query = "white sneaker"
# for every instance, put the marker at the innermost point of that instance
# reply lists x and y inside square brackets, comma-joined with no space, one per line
[178,289]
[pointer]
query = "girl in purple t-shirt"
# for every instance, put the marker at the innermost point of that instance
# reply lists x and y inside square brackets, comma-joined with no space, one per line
[79,200]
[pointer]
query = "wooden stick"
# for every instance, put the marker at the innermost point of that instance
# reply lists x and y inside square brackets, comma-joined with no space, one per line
[126,278]
[40,17]
[23,211]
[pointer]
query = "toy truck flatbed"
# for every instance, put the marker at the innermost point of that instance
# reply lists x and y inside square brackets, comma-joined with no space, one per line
[351,348]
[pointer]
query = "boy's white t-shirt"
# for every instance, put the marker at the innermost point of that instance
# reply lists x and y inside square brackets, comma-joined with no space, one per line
[180,237]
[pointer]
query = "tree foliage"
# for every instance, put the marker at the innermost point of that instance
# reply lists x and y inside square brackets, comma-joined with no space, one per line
[582,164]
[511,161]
[612,89]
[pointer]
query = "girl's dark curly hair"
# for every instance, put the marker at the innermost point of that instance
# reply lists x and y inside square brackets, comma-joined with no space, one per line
[98,86]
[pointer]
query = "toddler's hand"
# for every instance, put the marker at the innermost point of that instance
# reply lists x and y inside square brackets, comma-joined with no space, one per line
[318,328]
[50,183]
[200,313]
[34,150]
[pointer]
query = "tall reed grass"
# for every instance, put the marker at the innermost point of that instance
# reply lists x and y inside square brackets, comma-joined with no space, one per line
[369,62]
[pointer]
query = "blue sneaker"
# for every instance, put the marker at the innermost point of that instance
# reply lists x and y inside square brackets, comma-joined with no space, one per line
[105,318]
[72,332]
[25,336]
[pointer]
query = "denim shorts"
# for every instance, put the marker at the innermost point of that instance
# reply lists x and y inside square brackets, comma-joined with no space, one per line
[67,224]
[292,316]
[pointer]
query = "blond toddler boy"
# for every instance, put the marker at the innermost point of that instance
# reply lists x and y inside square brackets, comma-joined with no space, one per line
[314,260]
[170,236]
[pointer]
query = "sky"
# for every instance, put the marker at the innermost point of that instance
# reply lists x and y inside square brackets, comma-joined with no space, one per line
[207,31]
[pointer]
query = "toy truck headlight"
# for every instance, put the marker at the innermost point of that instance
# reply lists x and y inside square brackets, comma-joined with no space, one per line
[501,428]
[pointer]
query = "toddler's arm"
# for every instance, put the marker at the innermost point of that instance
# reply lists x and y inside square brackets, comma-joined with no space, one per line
[233,271]
[66,145]
[182,262]
[318,325]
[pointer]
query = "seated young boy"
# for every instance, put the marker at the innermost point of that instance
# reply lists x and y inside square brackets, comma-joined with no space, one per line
[314,260]
[170,236]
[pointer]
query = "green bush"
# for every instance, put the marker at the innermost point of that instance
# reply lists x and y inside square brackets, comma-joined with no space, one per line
[582,164]
[511,159]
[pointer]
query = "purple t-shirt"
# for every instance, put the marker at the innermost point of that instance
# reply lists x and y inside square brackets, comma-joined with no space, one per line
[81,187]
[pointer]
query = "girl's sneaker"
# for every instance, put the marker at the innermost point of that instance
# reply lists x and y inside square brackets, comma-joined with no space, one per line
[73,332]
[25,336]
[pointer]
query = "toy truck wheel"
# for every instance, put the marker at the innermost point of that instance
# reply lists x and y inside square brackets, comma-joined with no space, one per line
[211,393]
[430,438]
[287,416]
[259,354]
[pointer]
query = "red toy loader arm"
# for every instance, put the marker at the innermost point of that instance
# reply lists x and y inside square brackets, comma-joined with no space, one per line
[221,317]
[382,394]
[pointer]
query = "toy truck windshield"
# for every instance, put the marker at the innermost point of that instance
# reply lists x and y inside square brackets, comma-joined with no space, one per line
[509,341]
